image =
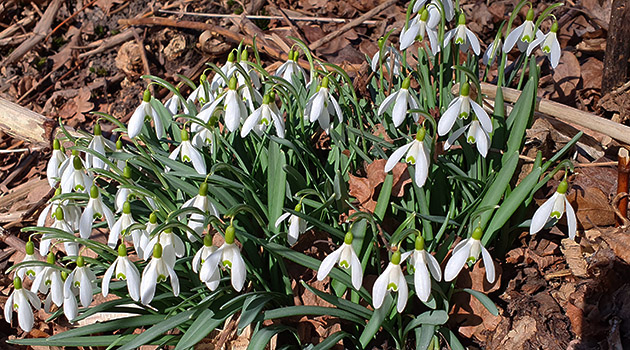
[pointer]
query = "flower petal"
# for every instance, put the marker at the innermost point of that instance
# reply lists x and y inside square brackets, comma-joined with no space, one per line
[107,277]
[388,101]
[239,270]
[422,280]
[137,120]
[380,288]
[396,156]
[571,219]
[483,117]
[434,266]
[454,136]
[511,39]
[174,280]
[328,263]
[251,121]
[542,215]
[554,56]
[356,270]
[457,261]
[473,41]
[133,280]
[489,264]
[403,291]
[448,118]
[148,283]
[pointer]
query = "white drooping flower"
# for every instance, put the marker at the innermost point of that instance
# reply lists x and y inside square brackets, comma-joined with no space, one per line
[60,223]
[123,269]
[494,49]
[291,70]
[49,282]
[72,213]
[228,256]
[522,35]
[123,223]
[418,28]
[463,37]
[156,271]
[478,134]
[97,144]
[120,163]
[469,249]
[30,271]
[200,258]
[53,169]
[297,225]
[460,108]
[95,209]
[423,262]
[196,220]
[403,101]
[202,93]
[392,280]
[347,259]
[124,193]
[175,103]
[136,122]
[75,177]
[172,246]
[21,300]
[320,106]
[234,108]
[70,305]
[252,81]
[189,154]
[389,54]
[449,9]
[262,117]
[554,207]
[83,279]
[415,153]
[227,70]
[548,44]
[204,137]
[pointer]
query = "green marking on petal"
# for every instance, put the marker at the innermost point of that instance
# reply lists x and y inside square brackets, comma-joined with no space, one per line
[264,121]
[471,139]
[463,115]
[459,41]
[345,264]
[471,259]
[526,39]
[411,160]
[79,187]
[186,159]
[97,215]
[161,278]
[546,49]
[392,286]
[556,214]
[121,276]
[227,263]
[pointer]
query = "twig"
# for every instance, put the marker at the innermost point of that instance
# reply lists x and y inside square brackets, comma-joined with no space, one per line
[565,113]
[14,39]
[40,32]
[25,124]
[306,19]
[65,21]
[623,172]
[615,206]
[17,150]
[17,25]
[24,165]
[111,42]
[289,21]
[352,24]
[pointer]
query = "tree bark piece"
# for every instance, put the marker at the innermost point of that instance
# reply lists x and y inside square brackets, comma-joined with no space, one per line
[617,47]
[623,171]
[24,124]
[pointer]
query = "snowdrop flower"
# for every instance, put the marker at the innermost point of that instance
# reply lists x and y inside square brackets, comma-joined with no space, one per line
[469,249]
[171,245]
[201,92]
[297,225]
[227,256]
[200,258]
[346,258]
[417,29]
[30,271]
[235,109]
[494,49]
[53,173]
[70,306]
[75,177]
[174,104]
[84,280]
[449,8]
[262,117]
[463,37]
[291,70]
[189,154]
[123,269]
[392,279]
[321,105]
[227,70]
[415,153]
[124,222]
[478,134]
[145,236]
[201,202]
[423,262]
[72,213]
[72,248]
[460,107]
[204,136]
[137,118]
[389,53]
[523,34]
[120,163]
[19,301]
[548,44]
[156,271]
[95,209]
[252,80]
[554,207]
[97,144]
[403,102]
[123,194]
[49,280]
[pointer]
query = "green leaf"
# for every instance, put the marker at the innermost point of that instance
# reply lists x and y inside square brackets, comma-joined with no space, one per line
[451,339]
[277,180]
[332,340]
[251,309]
[489,304]
[424,334]
[160,328]
[376,321]
[95,340]
[261,338]
[432,317]
[109,326]
[302,310]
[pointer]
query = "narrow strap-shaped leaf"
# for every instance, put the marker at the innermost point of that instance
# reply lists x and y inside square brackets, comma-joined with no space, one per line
[303,310]
[332,340]
[261,338]
[277,181]
[484,299]
[160,328]
[108,326]
[424,334]
[433,317]
[376,321]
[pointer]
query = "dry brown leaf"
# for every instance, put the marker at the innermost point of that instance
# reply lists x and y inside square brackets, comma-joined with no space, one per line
[82,101]
[366,190]
[619,242]
[566,76]
[591,207]
[573,254]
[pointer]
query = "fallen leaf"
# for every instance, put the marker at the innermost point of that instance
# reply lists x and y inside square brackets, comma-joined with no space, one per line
[566,77]
[591,207]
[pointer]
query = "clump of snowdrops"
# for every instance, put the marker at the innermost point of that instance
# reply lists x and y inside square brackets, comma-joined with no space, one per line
[205,197]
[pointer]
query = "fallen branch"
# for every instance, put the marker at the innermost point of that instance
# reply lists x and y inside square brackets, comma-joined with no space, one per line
[24,124]
[355,22]
[255,17]
[565,113]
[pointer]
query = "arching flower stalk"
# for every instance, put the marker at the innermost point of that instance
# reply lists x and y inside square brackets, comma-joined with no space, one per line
[347,259]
